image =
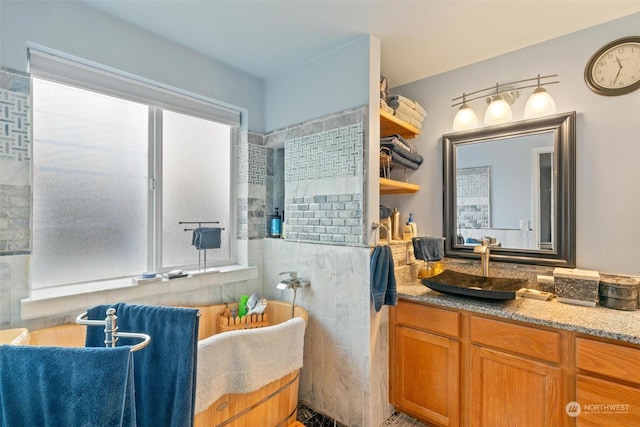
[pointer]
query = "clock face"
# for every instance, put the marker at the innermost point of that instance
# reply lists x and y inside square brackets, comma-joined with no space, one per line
[615,69]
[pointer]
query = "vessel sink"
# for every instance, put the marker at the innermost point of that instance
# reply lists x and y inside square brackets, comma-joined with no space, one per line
[453,282]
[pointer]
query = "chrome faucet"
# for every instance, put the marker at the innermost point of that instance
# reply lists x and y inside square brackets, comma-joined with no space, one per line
[293,282]
[484,251]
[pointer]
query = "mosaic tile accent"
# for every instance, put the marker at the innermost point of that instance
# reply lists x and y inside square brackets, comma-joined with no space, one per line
[335,219]
[253,170]
[329,154]
[252,162]
[15,142]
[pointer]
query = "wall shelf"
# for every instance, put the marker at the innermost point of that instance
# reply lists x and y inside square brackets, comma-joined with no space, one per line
[391,186]
[390,125]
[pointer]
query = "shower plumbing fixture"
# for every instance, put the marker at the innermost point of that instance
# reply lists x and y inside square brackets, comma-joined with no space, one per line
[293,282]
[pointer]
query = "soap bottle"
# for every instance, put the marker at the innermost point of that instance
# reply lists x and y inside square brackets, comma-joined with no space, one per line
[276,225]
[414,226]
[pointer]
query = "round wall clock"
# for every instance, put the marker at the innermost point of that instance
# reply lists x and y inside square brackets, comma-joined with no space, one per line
[615,68]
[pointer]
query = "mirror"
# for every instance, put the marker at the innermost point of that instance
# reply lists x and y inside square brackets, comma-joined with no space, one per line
[514,186]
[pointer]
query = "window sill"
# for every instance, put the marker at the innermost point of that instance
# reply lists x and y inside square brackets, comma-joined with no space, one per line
[64,299]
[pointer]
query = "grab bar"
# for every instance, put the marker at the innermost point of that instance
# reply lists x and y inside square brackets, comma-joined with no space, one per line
[111,333]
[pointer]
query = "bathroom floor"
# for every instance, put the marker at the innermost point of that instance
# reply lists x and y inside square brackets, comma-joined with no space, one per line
[311,418]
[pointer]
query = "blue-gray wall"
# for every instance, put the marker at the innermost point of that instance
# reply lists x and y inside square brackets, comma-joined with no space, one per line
[334,82]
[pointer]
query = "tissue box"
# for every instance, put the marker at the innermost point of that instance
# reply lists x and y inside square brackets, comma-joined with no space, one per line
[574,286]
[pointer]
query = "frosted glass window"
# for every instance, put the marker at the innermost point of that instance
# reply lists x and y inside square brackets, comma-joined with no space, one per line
[196,182]
[90,181]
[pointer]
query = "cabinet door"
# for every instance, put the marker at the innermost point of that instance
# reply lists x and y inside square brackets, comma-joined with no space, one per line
[509,391]
[427,373]
[606,403]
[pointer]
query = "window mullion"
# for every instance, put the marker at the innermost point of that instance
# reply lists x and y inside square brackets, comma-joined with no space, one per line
[155,188]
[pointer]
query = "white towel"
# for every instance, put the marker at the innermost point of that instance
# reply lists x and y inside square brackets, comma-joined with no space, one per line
[405,109]
[245,360]
[393,100]
[407,119]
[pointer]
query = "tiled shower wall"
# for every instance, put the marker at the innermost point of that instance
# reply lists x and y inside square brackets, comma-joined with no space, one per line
[324,181]
[254,177]
[345,367]
[473,197]
[15,192]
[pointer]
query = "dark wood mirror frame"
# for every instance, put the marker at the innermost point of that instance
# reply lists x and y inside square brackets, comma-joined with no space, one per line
[563,128]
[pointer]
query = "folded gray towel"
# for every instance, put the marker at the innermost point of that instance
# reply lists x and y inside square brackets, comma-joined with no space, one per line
[206,238]
[395,148]
[428,248]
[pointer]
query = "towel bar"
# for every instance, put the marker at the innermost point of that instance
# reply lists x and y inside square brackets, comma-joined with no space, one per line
[111,333]
[376,225]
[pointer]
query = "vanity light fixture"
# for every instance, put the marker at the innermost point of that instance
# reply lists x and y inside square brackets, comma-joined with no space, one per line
[500,97]
[540,103]
[465,117]
[498,110]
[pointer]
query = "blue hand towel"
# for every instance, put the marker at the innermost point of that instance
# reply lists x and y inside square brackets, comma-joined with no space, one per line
[206,237]
[165,369]
[428,248]
[383,279]
[66,386]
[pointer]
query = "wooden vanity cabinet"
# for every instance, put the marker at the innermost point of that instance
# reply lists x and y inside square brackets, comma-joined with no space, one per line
[515,375]
[425,366]
[607,383]
[452,368]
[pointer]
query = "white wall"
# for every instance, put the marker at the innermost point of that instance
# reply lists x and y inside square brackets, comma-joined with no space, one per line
[333,82]
[79,30]
[608,143]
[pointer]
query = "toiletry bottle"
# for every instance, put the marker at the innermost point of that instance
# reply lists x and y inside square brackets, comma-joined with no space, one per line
[276,223]
[406,235]
[396,226]
[414,226]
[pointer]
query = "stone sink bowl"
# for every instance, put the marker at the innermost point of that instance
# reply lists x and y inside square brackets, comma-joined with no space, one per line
[453,282]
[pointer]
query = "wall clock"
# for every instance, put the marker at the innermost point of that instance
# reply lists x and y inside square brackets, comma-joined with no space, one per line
[615,68]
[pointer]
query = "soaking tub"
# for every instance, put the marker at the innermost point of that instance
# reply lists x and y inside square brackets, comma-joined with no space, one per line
[274,404]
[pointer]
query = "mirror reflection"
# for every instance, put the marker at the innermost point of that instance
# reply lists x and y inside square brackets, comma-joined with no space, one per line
[504,191]
[512,186]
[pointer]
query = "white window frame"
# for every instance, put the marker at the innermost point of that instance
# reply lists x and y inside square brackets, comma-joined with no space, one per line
[48,64]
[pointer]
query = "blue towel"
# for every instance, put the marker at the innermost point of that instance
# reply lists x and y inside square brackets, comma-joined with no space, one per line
[383,279]
[165,370]
[206,237]
[428,248]
[66,386]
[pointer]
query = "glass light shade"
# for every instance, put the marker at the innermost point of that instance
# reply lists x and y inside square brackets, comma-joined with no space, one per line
[540,103]
[498,112]
[465,119]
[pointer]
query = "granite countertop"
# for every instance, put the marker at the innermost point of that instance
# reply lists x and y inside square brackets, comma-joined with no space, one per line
[597,321]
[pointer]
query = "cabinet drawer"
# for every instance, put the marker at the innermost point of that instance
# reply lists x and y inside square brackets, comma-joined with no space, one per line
[524,340]
[427,318]
[611,360]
